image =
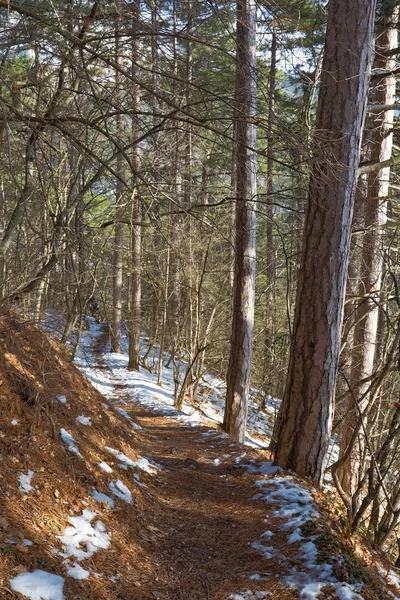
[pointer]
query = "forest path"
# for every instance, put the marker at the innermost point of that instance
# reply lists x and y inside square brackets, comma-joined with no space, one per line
[197,534]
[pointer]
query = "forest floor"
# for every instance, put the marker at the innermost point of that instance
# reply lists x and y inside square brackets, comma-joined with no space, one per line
[121,497]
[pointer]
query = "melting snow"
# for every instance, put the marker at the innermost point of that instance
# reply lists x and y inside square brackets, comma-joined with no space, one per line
[84,420]
[62,399]
[103,465]
[265,468]
[122,457]
[297,508]
[143,463]
[248,595]
[77,572]
[26,542]
[100,497]
[39,585]
[123,412]
[147,465]
[82,532]
[25,482]
[69,441]
[120,490]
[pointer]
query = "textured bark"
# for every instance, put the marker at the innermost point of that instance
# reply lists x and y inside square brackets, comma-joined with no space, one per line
[238,376]
[119,206]
[270,252]
[369,288]
[136,294]
[305,419]
[135,319]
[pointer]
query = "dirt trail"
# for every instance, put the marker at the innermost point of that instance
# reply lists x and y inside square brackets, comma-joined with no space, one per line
[196,535]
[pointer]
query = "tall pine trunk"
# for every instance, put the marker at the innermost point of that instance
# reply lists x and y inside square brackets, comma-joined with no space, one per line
[305,418]
[134,324]
[269,251]
[116,318]
[238,376]
[367,311]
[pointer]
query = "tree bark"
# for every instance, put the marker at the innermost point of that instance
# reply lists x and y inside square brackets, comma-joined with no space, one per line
[238,376]
[136,229]
[119,203]
[369,288]
[270,251]
[305,418]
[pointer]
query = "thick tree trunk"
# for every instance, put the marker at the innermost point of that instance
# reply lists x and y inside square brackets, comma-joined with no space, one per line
[367,310]
[305,418]
[238,376]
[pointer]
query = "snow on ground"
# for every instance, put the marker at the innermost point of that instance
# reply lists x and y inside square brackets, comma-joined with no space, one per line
[69,441]
[248,595]
[26,542]
[39,585]
[103,465]
[294,503]
[390,577]
[143,463]
[143,388]
[81,532]
[296,507]
[123,412]
[84,420]
[100,497]
[120,490]
[25,482]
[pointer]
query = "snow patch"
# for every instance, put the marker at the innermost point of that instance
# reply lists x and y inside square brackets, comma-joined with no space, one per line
[120,490]
[265,468]
[100,497]
[77,572]
[26,542]
[121,457]
[297,508]
[25,482]
[123,412]
[39,585]
[84,420]
[69,441]
[82,532]
[103,465]
[143,463]
[249,595]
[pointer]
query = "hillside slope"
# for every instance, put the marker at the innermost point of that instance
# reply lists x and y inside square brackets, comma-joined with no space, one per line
[118,496]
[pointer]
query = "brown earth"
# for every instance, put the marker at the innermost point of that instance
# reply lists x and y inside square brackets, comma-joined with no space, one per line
[186,536]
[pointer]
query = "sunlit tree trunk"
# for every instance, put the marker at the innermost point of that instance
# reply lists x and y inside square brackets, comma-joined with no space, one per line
[119,204]
[238,375]
[305,418]
[270,251]
[365,338]
[136,214]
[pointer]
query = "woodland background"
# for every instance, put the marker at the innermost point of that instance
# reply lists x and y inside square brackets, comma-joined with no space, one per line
[117,178]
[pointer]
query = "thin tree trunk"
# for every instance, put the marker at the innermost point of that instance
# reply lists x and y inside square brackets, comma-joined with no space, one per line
[238,375]
[270,252]
[136,229]
[119,203]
